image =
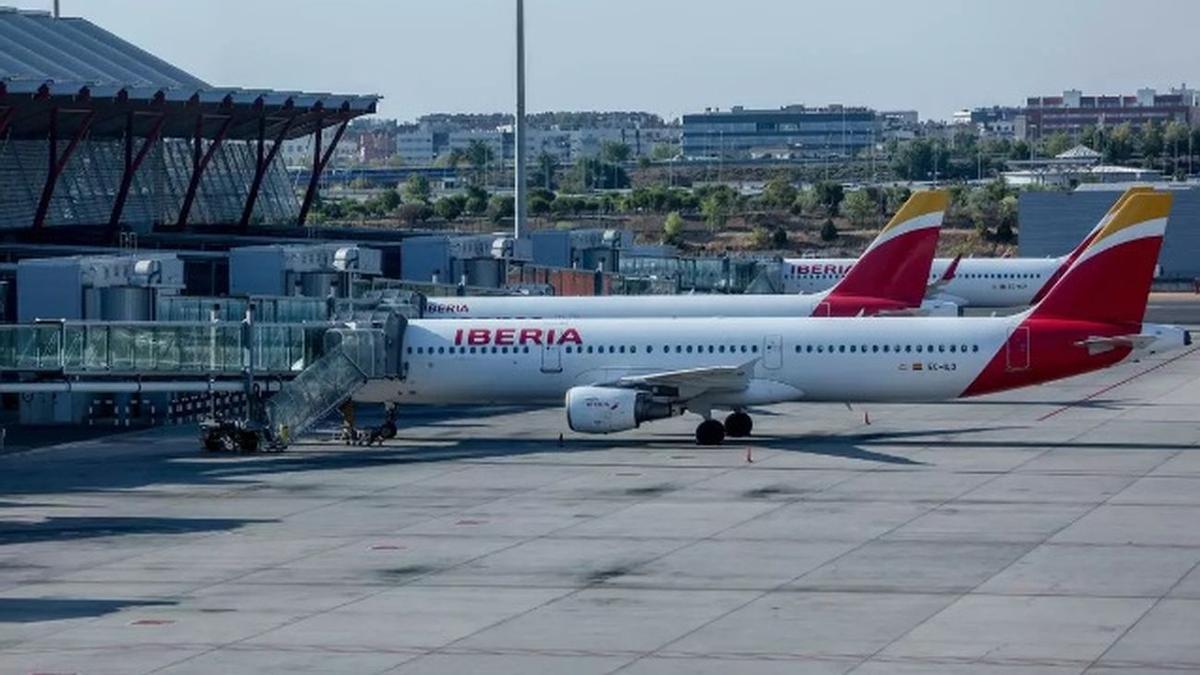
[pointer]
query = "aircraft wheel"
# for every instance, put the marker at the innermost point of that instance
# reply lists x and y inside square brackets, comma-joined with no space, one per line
[248,440]
[738,424]
[710,432]
[387,430]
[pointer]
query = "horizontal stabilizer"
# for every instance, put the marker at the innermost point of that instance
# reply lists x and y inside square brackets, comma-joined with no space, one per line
[1099,345]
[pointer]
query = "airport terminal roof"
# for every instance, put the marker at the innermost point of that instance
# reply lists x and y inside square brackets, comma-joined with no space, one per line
[51,60]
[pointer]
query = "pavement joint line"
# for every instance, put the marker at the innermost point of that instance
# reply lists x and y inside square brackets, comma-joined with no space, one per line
[382,589]
[1034,547]
[415,578]
[593,585]
[1119,383]
[767,592]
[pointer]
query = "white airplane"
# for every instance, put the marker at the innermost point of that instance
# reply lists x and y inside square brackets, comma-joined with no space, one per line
[889,278]
[976,282]
[614,375]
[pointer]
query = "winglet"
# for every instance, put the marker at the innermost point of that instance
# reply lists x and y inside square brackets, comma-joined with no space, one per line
[1109,281]
[896,265]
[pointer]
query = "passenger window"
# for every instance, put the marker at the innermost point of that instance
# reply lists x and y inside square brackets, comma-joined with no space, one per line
[907,348]
[472,350]
[941,348]
[754,348]
[842,349]
[678,349]
[721,349]
[504,350]
[797,349]
[622,349]
[526,349]
[918,349]
[689,349]
[589,349]
[410,350]
[853,348]
[567,349]
[953,349]
[710,349]
[820,349]
[874,348]
[743,349]
[886,349]
[974,348]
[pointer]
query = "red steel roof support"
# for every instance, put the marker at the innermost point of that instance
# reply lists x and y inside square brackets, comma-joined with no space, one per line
[264,163]
[319,162]
[132,163]
[199,164]
[57,163]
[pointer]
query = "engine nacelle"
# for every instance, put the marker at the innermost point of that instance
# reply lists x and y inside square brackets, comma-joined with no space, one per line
[604,410]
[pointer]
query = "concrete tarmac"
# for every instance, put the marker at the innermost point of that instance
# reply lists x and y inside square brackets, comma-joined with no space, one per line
[1051,530]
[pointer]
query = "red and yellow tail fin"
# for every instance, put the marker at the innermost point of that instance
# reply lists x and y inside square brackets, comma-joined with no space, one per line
[1109,280]
[896,265]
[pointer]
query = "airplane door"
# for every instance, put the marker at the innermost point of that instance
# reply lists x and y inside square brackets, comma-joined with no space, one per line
[551,358]
[1017,349]
[773,352]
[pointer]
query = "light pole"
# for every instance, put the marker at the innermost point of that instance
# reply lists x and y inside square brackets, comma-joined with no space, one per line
[519,130]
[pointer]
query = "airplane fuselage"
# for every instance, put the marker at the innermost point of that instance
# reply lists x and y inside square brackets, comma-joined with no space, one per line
[827,359]
[977,282]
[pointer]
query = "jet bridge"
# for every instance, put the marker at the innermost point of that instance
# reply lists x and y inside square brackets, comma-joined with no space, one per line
[312,367]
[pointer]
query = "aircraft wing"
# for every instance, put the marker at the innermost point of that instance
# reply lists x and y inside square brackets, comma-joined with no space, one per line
[692,382]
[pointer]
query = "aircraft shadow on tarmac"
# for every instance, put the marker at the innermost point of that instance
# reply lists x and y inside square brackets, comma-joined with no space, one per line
[31,610]
[60,529]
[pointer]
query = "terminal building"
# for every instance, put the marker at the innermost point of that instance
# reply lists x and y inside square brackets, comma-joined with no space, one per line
[97,133]
[790,132]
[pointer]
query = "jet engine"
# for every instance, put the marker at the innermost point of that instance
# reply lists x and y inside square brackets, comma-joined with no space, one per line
[603,410]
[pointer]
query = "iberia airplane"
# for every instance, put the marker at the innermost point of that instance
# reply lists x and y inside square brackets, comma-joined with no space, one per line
[889,278]
[977,282]
[614,375]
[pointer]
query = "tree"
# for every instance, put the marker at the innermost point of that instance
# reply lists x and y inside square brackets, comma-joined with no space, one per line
[388,201]
[806,203]
[779,238]
[477,200]
[615,152]
[829,231]
[1150,142]
[673,229]
[590,173]
[455,157]
[779,193]
[894,197]
[1058,143]
[859,208]
[411,214]
[1118,144]
[546,166]
[450,208]
[499,208]
[663,152]
[417,189]
[830,195]
[760,237]
[540,202]
[480,155]
[1175,136]
[717,205]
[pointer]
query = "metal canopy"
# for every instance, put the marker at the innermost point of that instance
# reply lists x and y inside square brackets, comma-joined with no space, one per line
[73,66]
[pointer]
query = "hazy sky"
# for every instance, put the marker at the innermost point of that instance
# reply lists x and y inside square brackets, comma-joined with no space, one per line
[668,56]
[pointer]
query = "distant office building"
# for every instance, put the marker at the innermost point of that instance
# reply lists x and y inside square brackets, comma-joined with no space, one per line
[901,125]
[834,131]
[1071,112]
[422,144]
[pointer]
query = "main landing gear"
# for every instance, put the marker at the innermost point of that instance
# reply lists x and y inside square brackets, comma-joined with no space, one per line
[711,432]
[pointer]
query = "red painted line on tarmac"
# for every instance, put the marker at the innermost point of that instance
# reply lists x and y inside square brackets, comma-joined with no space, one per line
[1110,387]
